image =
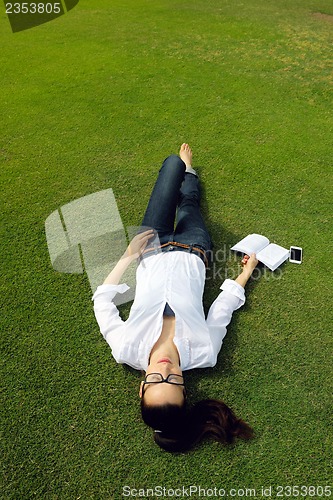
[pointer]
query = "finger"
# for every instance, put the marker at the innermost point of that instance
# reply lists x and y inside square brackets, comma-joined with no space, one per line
[146,234]
[147,237]
[144,241]
[254,258]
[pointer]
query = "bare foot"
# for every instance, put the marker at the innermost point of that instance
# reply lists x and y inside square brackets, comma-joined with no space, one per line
[185,154]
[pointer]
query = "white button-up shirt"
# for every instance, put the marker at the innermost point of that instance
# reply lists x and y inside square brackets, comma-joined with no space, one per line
[176,278]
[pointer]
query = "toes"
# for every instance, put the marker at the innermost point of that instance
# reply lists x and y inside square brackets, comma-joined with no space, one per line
[185,148]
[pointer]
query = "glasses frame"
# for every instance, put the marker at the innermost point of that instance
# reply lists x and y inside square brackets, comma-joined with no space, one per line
[164,380]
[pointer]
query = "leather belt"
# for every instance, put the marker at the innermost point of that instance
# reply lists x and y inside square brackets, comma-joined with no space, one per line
[174,245]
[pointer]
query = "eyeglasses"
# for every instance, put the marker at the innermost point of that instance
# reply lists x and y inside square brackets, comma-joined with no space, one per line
[157,378]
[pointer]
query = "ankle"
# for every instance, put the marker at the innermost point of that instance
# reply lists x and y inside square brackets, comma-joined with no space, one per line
[190,170]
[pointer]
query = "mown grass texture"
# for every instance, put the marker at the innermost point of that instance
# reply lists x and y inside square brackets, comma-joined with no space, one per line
[97,99]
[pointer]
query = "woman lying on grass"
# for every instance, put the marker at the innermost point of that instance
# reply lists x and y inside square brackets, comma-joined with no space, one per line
[166,332]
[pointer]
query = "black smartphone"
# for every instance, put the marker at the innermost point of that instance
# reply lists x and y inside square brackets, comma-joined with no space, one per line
[295,255]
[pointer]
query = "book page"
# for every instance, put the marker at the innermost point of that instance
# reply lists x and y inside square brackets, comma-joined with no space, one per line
[252,243]
[273,255]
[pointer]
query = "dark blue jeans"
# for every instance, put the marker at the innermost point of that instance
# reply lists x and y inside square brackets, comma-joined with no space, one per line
[174,207]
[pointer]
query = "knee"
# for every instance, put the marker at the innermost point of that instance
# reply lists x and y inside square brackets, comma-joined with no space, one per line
[174,162]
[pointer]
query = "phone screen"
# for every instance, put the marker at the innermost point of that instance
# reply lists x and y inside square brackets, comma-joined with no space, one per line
[296,254]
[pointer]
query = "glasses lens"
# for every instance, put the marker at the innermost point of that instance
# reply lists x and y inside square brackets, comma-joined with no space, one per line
[154,378]
[175,379]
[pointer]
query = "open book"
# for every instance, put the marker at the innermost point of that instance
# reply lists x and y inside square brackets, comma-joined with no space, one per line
[270,254]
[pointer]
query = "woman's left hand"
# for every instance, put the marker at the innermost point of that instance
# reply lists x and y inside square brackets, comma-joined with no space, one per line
[138,244]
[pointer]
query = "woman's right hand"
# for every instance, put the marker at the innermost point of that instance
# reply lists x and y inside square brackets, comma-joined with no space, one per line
[250,263]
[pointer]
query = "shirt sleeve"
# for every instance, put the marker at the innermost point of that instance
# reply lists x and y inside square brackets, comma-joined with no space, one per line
[219,316]
[106,313]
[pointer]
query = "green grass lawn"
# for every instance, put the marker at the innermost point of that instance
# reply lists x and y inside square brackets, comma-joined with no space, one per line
[97,99]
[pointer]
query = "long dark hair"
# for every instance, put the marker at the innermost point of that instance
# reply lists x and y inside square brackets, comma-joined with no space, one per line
[179,428]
